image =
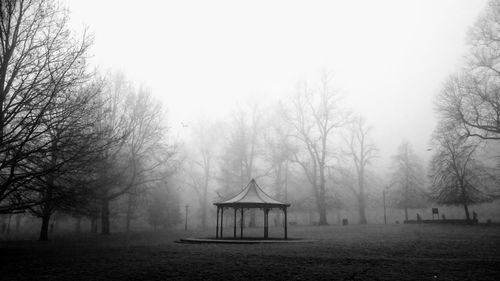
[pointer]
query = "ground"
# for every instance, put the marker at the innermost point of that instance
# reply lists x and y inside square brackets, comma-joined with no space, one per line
[354,252]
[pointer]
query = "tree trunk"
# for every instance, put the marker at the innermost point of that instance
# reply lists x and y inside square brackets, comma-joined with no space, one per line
[407,186]
[8,224]
[93,225]
[322,192]
[322,215]
[129,214]
[78,225]
[362,197]
[464,198]
[105,216]
[18,222]
[322,207]
[44,231]
[466,209]
[205,196]
[362,214]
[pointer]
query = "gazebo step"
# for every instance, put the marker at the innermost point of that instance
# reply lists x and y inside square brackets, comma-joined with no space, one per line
[243,241]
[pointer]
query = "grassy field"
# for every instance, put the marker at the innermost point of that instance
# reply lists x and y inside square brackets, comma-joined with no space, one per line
[354,252]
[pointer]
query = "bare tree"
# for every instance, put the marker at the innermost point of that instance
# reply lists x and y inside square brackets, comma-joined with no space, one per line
[361,151]
[315,115]
[278,156]
[471,99]
[457,176]
[200,167]
[40,59]
[163,208]
[409,180]
[74,146]
[239,160]
[143,155]
[279,153]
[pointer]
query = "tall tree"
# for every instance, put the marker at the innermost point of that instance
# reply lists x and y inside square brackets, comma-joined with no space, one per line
[471,99]
[40,59]
[200,166]
[361,151]
[241,153]
[279,152]
[315,114]
[74,146]
[163,208]
[457,176]
[143,155]
[409,179]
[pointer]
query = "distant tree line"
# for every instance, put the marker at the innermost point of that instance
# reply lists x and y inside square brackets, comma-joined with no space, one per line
[312,143]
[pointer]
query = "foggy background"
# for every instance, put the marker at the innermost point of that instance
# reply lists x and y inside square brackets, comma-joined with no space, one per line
[226,73]
[204,59]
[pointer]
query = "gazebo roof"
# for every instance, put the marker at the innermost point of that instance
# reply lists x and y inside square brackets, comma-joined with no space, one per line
[252,197]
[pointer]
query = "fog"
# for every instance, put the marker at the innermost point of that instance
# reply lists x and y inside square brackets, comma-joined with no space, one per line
[341,109]
[389,58]
[249,140]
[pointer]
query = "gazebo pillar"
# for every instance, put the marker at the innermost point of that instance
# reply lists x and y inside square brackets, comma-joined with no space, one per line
[222,222]
[217,225]
[235,210]
[241,224]
[286,224]
[266,223]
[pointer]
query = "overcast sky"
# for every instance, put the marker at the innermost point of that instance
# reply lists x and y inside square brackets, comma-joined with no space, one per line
[203,57]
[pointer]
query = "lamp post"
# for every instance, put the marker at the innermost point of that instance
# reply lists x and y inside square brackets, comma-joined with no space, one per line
[186,220]
[383,198]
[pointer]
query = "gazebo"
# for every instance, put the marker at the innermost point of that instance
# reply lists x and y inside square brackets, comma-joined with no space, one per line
[250,197]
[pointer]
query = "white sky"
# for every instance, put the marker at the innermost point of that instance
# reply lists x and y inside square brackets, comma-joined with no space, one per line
[203,57]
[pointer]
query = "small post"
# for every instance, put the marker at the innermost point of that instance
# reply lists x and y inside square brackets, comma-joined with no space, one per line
[186,220]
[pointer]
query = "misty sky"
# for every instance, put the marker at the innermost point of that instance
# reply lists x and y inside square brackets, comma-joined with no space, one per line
[389,58]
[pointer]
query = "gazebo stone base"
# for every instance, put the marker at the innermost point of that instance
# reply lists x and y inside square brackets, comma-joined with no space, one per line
[244,240]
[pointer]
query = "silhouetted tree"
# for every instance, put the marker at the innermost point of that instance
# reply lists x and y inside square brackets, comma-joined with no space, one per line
[74,146]
[409,180]
[470,99]
[457,176]
[163,207]
[142,155]
[242,151]
[200,166]
[315,115]
[40,60]
[279,153]
[361,151]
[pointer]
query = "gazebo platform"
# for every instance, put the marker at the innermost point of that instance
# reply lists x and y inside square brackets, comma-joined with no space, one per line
[244,241]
